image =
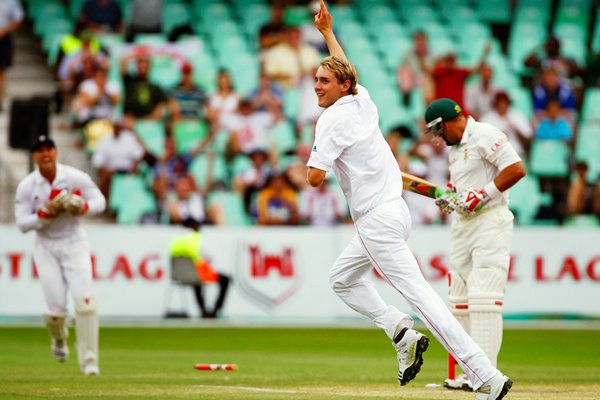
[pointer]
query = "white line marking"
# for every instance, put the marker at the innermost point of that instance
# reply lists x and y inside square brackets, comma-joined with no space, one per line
[248,388]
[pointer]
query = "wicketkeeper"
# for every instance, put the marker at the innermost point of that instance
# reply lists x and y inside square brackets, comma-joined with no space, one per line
[51,201]
[483,166]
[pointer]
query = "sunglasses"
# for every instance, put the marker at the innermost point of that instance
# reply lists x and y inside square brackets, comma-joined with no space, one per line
[436,127]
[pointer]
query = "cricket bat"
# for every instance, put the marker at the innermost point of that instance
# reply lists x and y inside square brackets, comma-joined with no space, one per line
[420,186]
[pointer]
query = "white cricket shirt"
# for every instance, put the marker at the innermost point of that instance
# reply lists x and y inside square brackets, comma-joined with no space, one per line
[34,191]
[349,141]
[482,153]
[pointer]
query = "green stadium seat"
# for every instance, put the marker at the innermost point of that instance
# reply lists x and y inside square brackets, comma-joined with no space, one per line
[493,11]
[174,15]
[283,137]
[588,148]
[188,134]
[130,198]
[240,164]
[521,100]
[574,13]
[152,134]
[582,221]
[219,142]
[199,169]
[342,13]
[233,206]
[150,39]
[378,13]
[291,103]
[165,72]
[591,99]
[307,135]
[549,158]
[525,199]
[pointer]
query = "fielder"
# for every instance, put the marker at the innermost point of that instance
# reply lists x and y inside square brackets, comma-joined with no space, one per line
[51,201]
[483,166]
[349,141]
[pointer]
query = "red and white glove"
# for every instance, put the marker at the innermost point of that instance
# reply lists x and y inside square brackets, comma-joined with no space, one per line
[76,205]
[472,200]
[45,215]
[449,200]
[58,200]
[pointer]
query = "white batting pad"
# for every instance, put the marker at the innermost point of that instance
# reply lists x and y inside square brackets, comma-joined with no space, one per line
[57,326]
[486,293]
[86,326]
[458,301]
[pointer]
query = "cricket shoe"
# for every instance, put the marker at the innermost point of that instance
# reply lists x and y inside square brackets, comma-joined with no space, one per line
[461,382]
[495,388]
[410,346]
[60,350]
[91,369]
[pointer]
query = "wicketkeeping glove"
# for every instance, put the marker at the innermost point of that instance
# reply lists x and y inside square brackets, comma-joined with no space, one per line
[58,201]
[76,205]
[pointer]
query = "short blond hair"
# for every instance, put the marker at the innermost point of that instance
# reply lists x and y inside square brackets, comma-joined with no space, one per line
[343,70]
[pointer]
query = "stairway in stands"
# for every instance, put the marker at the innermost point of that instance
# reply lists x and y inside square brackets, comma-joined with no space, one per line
[30,76]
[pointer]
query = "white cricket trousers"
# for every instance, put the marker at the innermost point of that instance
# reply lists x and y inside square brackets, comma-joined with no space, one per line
[63,264]
[381,243]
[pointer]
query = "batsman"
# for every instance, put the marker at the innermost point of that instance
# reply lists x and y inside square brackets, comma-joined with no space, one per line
[51,201]
[483,166]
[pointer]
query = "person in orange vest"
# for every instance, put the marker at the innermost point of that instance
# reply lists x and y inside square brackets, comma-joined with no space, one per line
[189,245]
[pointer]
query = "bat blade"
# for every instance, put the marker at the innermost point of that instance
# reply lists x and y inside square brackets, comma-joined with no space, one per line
[420,186]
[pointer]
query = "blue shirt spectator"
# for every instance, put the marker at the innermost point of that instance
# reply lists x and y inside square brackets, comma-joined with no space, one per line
[552,88]
[554,126]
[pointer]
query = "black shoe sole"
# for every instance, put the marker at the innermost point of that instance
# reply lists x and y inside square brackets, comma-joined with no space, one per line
[414,369]
[505,389]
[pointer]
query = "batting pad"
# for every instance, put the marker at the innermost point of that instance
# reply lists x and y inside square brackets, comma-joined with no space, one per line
[486,294]
[86,327]
[57,326]
[458,301]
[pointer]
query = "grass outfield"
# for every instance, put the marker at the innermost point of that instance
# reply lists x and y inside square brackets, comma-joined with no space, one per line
[281,363]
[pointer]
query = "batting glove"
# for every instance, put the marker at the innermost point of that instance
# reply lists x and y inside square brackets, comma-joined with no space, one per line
[472,201]
[76,205]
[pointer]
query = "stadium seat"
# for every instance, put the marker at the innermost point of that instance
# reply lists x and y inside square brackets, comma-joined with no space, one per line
[291,103]
[199,169]
[240,164]
[130,198]
[283,136]
[233,206]
[165,72]
[583,221]
[174,15]
[493,11]
[525,199]
[549,158]
[152,134]
[588,148]
[188,134]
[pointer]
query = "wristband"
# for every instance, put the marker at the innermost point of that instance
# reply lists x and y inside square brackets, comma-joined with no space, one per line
[492,190]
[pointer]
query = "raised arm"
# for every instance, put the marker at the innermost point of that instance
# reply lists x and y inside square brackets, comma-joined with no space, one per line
[324,23]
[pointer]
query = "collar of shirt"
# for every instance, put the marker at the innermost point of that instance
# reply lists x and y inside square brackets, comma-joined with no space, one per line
[467,133]
[60,175]
[344,100]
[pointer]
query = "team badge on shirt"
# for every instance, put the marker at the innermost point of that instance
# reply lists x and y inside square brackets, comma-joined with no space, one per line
[314,149]
[466,155]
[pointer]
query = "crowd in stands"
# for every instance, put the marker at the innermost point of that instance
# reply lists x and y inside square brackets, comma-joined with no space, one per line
[209,105]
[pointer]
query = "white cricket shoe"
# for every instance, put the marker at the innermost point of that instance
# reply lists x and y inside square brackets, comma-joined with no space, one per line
[461,382]
[494,389]
[410,346]
[91,369]
[60,350]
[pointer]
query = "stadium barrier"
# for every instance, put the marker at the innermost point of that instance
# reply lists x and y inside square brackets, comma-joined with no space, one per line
[283,272]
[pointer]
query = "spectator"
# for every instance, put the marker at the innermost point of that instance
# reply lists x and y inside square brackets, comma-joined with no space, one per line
[550,58]
[97,98]
[146,17]
[411,74]
[78,53]
[268,97]
[187,100]
[322,206]
[102,16]
[271,33]
[142,98]
[480,95]
[247,128]
[449,78]
[251,180]
[551,87]
[277,202]
[119,153]
[11,15]
[187,202]
[224,101]
[511,121]
[395,139]
[290,60]
[171,165]
[580,196]
[553,126]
